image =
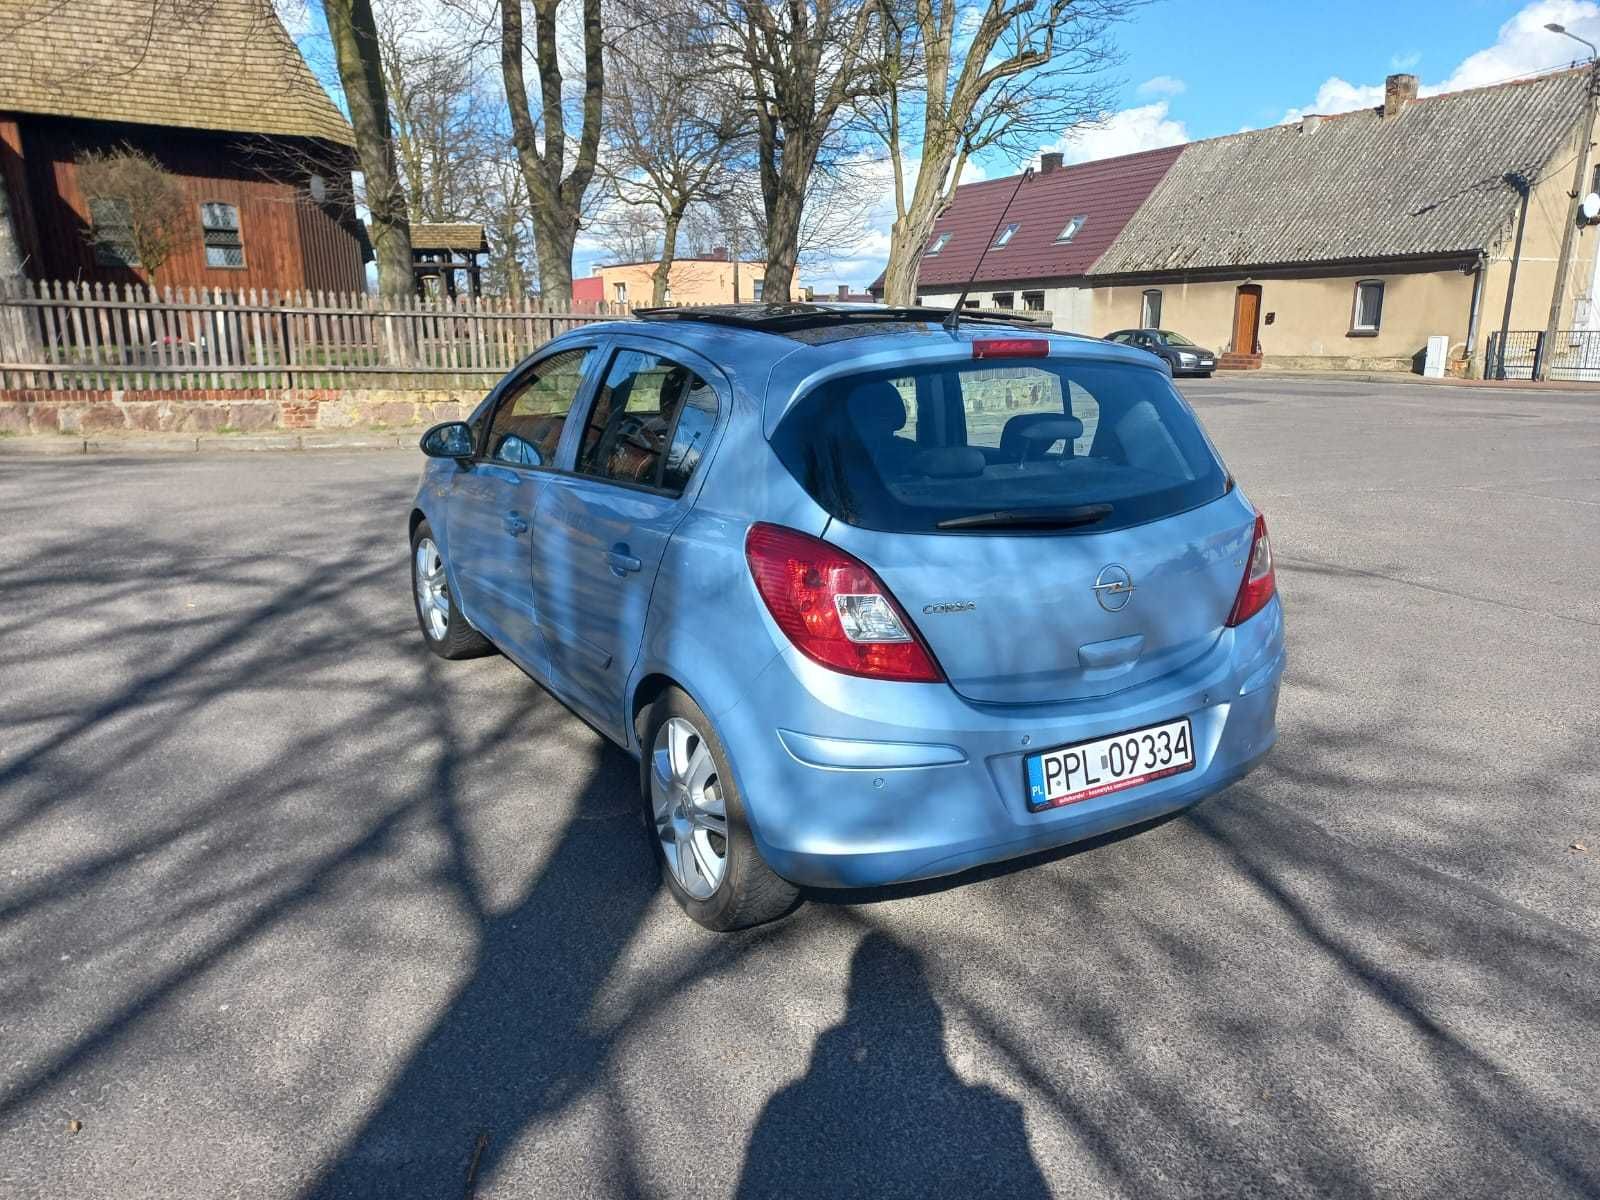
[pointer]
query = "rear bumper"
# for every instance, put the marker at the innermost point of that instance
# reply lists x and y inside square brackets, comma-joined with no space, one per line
[866,783]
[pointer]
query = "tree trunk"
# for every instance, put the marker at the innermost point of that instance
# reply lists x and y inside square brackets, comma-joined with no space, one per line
[662,276]
[784,211]
[11,272]
[905,256]
[355,44]
[554,233]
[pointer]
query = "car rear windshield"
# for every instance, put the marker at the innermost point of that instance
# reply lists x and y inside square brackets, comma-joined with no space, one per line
[1052,445]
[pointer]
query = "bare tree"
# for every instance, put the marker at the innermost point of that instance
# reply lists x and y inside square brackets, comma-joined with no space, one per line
[672,133]
[806,63]
[139,214]
[557,195]
[356,47]
[444,124]
[964,76]
[629,233]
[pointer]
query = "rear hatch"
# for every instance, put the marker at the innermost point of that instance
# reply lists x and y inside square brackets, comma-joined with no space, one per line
[1018,619]
[1057,528]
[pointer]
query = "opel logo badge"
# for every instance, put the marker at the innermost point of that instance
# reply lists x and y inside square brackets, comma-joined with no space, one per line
[1113,587]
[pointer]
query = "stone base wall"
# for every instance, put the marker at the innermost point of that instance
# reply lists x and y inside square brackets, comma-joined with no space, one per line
[226,410]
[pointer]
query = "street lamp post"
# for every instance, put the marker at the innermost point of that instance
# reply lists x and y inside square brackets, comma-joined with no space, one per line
[1558,294]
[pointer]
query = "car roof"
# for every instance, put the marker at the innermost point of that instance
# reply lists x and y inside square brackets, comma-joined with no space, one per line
[777,355]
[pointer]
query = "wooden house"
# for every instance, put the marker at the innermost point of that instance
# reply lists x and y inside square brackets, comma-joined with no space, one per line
[220,96]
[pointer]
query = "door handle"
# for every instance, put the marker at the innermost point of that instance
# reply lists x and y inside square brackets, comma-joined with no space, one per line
[620,561]
[514,524]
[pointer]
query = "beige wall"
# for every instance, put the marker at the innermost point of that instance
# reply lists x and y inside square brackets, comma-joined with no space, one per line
[692,281]
[1310,318]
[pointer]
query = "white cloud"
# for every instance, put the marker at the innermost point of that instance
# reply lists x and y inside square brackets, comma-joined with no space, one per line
[1522,46]
[1147,127]
[1404,62]
[1162,85]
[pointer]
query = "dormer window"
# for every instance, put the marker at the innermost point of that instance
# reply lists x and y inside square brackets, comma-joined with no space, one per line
[1006,234]
[1071,230]
[939,243]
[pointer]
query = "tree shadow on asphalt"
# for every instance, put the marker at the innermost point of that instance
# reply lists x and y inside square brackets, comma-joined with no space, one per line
[327,827]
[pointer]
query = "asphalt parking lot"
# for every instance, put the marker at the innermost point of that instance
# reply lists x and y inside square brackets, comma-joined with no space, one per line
[289,908]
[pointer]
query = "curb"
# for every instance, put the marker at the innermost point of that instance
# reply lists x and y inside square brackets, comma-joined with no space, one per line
[58,446]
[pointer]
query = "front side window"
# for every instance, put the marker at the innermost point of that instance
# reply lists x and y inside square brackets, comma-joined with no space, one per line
[1150,309]
[1368,307]
[1032,301]
[620,290]
[1006,234]
[1004,299]
[112,221]
[760,287]
[219,226]
[939,243]
[1070,229]
[1047,445]
[526,427]
[649,424]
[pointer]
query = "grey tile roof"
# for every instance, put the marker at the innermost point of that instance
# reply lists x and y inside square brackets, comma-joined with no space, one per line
[1425,181]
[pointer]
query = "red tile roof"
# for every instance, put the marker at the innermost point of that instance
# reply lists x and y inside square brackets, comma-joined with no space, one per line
[1107,192]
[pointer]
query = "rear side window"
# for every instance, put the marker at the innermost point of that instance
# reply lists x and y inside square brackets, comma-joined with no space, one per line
[527,423]
[649,424]
[964,447]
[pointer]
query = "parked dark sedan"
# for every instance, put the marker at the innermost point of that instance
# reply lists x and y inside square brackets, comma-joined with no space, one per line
[1182,355]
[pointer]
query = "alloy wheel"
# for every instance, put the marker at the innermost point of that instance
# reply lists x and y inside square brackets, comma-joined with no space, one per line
[690,814]
[433,590]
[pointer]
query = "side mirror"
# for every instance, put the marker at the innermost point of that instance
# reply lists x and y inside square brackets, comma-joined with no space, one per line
[452,439]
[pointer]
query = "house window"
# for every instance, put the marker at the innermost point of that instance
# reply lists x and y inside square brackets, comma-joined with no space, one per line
[939,243]
[1070,231]
[1150,310]
[220,224]
[760,286]
[112,221]
[620,291]
[1006,234]
[1032,301]
[1004,299]
[1368,312]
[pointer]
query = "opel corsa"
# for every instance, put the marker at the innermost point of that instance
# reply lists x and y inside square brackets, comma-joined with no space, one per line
[871,599]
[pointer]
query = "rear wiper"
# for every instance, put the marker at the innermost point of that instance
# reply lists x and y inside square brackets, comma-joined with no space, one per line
[1031,518]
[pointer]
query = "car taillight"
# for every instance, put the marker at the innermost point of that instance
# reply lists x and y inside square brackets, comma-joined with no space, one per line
[1010,348]
[834,609]
[1260,584]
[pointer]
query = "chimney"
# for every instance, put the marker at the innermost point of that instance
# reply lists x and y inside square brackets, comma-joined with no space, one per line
[1049,161]
[719,254]
[844,291]
[1398,91]
[1310,123]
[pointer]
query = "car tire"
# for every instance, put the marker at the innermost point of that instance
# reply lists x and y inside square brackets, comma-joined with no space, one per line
[684,780]
[444,626]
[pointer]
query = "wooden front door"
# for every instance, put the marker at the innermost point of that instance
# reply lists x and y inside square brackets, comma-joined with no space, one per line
[1246,318]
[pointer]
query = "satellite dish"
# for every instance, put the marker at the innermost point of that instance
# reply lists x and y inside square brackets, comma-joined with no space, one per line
[319,190]
[1591,206]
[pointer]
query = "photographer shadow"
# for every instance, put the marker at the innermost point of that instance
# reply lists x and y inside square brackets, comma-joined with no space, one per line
[881,1113]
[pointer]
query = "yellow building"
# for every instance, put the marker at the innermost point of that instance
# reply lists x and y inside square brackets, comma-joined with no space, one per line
[715,279]
[1334,242]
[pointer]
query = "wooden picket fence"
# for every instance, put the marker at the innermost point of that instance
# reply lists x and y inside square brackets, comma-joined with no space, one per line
[104,336]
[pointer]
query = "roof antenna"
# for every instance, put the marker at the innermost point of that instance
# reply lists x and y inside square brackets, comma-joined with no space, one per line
[953,321]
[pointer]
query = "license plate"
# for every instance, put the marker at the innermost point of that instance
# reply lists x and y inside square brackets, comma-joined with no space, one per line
[1084,770]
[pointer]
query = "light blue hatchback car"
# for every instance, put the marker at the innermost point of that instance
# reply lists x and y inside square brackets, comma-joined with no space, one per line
[871,599]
